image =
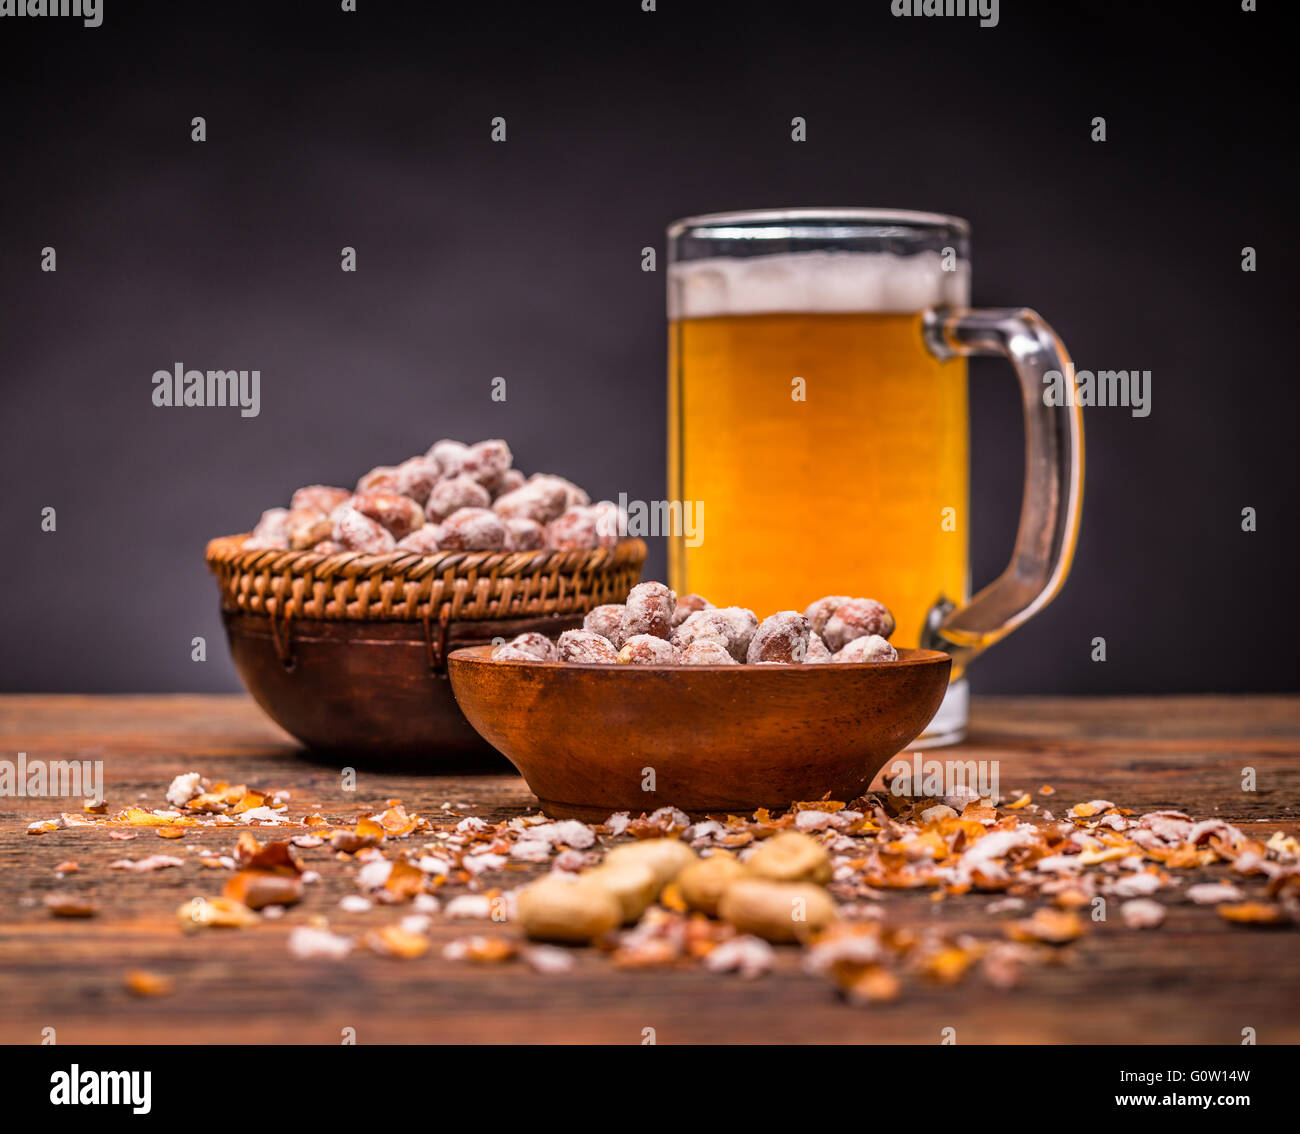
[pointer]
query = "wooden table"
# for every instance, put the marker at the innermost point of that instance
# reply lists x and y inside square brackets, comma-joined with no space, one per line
[1195,980]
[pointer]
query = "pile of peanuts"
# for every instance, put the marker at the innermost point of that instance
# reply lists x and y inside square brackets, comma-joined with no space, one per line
[655,627]
[778,893]
[455,497]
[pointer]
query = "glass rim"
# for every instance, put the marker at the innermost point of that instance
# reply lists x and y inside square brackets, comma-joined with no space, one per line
[905,218]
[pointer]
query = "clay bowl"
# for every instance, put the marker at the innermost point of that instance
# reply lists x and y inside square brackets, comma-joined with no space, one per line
[347,652]
[726,738]
[366,690]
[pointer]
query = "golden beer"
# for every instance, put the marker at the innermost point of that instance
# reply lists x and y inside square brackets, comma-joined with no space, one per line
[829,452]
[818,426]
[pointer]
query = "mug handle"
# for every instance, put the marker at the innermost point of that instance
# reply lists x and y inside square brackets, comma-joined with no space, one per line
[1053,496]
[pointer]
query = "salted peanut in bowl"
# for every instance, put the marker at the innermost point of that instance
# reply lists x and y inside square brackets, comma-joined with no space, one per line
[776,911]
[655,627]
[731,627]
[872,648]
[322,497]
[531,644]
[358,532]
[607,621]
[819,612]
[688,605]
[781,637]
[706,652]
[399,514]
[857,618]
[585,648]
[818,652]
[304,527]
[649,610]
[791,856]
[646,649]
[457,492]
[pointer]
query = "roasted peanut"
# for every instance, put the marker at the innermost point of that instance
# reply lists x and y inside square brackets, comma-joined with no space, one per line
[791,856]
[607,621]
[819,612]
[666,857]
[649,610]
[781,637]
[585,648]
[646,649]
[703,882]
[856,619]
[776,911]
[633,885]
[871,648]
[558,909]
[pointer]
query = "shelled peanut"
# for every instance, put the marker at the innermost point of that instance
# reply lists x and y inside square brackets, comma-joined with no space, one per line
[657,627]
[778,894]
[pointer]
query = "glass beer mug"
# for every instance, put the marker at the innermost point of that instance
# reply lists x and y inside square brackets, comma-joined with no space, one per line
[818,422]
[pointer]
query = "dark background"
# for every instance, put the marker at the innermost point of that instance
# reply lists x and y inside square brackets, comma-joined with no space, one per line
[477,259]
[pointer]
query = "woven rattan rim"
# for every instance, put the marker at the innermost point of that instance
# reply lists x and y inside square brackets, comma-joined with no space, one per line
[402,586]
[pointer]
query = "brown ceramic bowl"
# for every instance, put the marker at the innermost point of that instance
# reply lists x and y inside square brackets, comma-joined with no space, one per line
[726,738]
[367,689]
[347,652]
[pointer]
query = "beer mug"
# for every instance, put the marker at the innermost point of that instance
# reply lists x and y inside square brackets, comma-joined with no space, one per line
[818,423]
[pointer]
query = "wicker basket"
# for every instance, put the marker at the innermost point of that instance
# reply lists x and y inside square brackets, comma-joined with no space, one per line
[347,652]
[452,586]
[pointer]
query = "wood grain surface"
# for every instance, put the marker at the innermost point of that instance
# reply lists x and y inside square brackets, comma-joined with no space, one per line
[1195,980]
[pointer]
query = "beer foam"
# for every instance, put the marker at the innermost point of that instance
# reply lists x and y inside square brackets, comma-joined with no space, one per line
[815,282]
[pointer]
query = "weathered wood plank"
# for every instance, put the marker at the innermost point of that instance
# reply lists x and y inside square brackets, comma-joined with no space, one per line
[1195,980]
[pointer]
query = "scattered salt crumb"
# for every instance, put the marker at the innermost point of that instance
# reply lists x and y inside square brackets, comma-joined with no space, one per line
[531,850]
[481,863]
[470,905]
[152,862]
[355,903]
[1135,885]
[855,948]
[184,788]
[1211,893]
[428,864]
[1142,913]
[548,959]
[572,860]
[308,943]
[374,874]
[749,956]
[260,815]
